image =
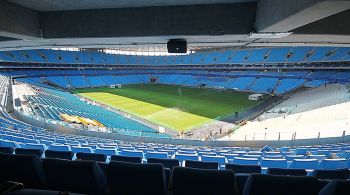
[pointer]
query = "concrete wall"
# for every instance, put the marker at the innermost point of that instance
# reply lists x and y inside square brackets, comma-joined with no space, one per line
[18,22]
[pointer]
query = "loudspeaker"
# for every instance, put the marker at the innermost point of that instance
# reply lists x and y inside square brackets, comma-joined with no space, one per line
[177,46]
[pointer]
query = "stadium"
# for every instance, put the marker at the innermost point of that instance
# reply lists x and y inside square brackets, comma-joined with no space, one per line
[225,97]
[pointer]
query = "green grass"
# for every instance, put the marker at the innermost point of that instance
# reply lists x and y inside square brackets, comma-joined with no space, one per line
[175,107]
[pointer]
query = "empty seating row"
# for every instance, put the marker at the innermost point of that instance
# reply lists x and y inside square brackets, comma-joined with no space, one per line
[246,56]
[88,177]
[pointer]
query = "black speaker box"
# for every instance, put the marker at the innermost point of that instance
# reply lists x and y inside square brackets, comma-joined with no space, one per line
[177,46]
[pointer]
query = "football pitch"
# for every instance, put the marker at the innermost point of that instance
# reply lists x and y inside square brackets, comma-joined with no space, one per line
[175,107]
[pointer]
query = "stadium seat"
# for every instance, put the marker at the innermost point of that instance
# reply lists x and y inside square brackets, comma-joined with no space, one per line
[244,168]
[333,164]
[301,151]
[292,172]
[345,154]
[58,147]
[245,161]
[336,187]
[25,169]
[257,156]
[156,155]
[131,153]
[229,156]
[25,151]
[47,143]
[221,160]
[136,178]
[292,157]
[84,177]
[68,155]
[273,156]
[319,157]
[168,163]
[202,181]
[273,163]
[107,152]
[41,147]
[272,153]
[258,184]
[91,156]
[304,164]
[240,181]
[130,159]
[260,153]
[6,143]
[7,150]
[331,174]
[184,157]
[201,164]
[77,149]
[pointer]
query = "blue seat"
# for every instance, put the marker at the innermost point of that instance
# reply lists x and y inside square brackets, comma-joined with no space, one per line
[107,152]
[292,157]
[324,152]
[41,147]
[229,156]
[170,152]
[273,156]
[266,149]
[301,151]
[255,153]
[319,157]
[221,160]
[245,161]
[258,156]
[186,152]
[206,154]
[156,155]
[304,164]
[131,153]
[12,144]
[77,149]
[333,164]
[273,163]
[184,157]
[59,147]
[47,142]
[345,154]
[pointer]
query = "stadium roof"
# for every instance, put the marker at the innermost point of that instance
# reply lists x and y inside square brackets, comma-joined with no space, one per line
[60,5]
[141,25]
